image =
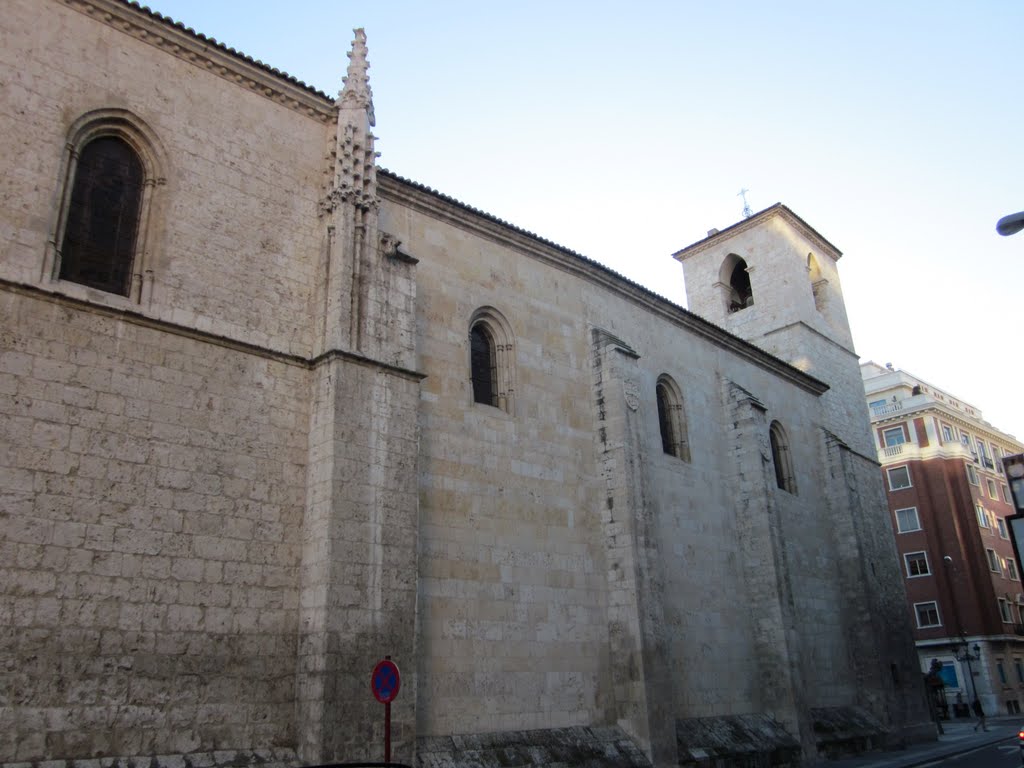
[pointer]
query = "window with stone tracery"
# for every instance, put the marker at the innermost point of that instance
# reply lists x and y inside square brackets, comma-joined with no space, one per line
[112,169]
[672,419]
[491,360]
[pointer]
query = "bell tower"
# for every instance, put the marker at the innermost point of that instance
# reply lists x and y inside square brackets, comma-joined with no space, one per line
[772,280]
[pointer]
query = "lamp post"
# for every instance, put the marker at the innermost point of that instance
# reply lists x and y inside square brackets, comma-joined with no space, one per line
[962,654]
[960,650]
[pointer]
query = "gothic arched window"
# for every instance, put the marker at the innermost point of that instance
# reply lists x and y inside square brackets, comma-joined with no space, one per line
[782,458]
[482,362]
[98,246]
[113,166]
[491,359]
[672,419]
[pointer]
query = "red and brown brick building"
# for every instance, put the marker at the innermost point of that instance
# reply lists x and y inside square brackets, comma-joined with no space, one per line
[949,500]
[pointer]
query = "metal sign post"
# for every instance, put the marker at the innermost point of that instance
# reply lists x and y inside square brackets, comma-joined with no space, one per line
[385,682]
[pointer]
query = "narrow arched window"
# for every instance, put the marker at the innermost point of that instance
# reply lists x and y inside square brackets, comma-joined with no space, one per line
[742,295]
[106,231]
[98,245]
[482,365]
[819,285]
[672,419]
[492,359]
[782,458]
[734,278]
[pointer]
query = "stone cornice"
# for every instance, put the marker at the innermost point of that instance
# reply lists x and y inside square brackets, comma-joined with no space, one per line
[207,54]
[439,206]
[144,321]
[951,416]
[777,210]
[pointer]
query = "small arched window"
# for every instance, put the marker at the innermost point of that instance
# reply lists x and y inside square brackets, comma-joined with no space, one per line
[482,364]
[735,275]
[103,216]
[113,167]
[782,458]
[672,419]
[819,285]
[491,359]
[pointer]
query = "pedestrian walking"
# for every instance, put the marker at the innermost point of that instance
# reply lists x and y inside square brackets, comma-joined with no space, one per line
[976,706]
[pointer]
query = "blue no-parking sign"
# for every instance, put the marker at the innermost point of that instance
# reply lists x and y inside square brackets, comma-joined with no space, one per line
[385,681]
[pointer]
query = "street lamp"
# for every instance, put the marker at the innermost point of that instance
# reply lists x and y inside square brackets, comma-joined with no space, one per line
[960,650]
[1009,225]
[962,654]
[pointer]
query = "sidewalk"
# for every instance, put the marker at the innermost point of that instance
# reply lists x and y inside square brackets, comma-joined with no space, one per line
[960,737]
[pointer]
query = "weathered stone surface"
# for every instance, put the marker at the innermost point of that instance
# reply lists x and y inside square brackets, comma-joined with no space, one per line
[225,495]
[578,747]
[842,731]
[261,758]
[736,741]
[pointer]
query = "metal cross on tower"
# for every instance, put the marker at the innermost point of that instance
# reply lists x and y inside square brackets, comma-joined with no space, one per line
[747,211]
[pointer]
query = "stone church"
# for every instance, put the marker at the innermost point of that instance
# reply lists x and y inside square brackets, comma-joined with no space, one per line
[270,413]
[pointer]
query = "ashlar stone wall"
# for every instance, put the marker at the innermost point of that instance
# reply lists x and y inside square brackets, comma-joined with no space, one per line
[152,507]
[235,198]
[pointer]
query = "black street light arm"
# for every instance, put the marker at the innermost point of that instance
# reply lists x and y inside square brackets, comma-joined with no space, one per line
[1010,225]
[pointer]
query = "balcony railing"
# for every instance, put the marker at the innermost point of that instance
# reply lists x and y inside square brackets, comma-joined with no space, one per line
[912,452]
[883,410]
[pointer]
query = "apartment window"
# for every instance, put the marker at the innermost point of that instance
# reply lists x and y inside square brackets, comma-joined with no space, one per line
[672,419]
[1001,671]
[1001,525]
[907,520]
[1011,569]
[997,456]
[491,357]
[782,458]
[982,516]
[966,440]
[894,436]
[947,434]
[993,561]
[972,475]
[1006,494]
[917,564]
[992,493]
[927,614]
[983,454]
[1004,612]
[1019,667]
[899,477]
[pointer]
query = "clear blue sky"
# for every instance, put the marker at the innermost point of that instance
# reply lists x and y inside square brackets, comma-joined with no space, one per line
[894,128]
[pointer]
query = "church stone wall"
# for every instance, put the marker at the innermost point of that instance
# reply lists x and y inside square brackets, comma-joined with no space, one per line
[502,485]
[228,496]
[152,496]
[236,213]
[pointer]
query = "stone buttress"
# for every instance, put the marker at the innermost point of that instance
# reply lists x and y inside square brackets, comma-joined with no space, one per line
[641,695]
[358,596]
